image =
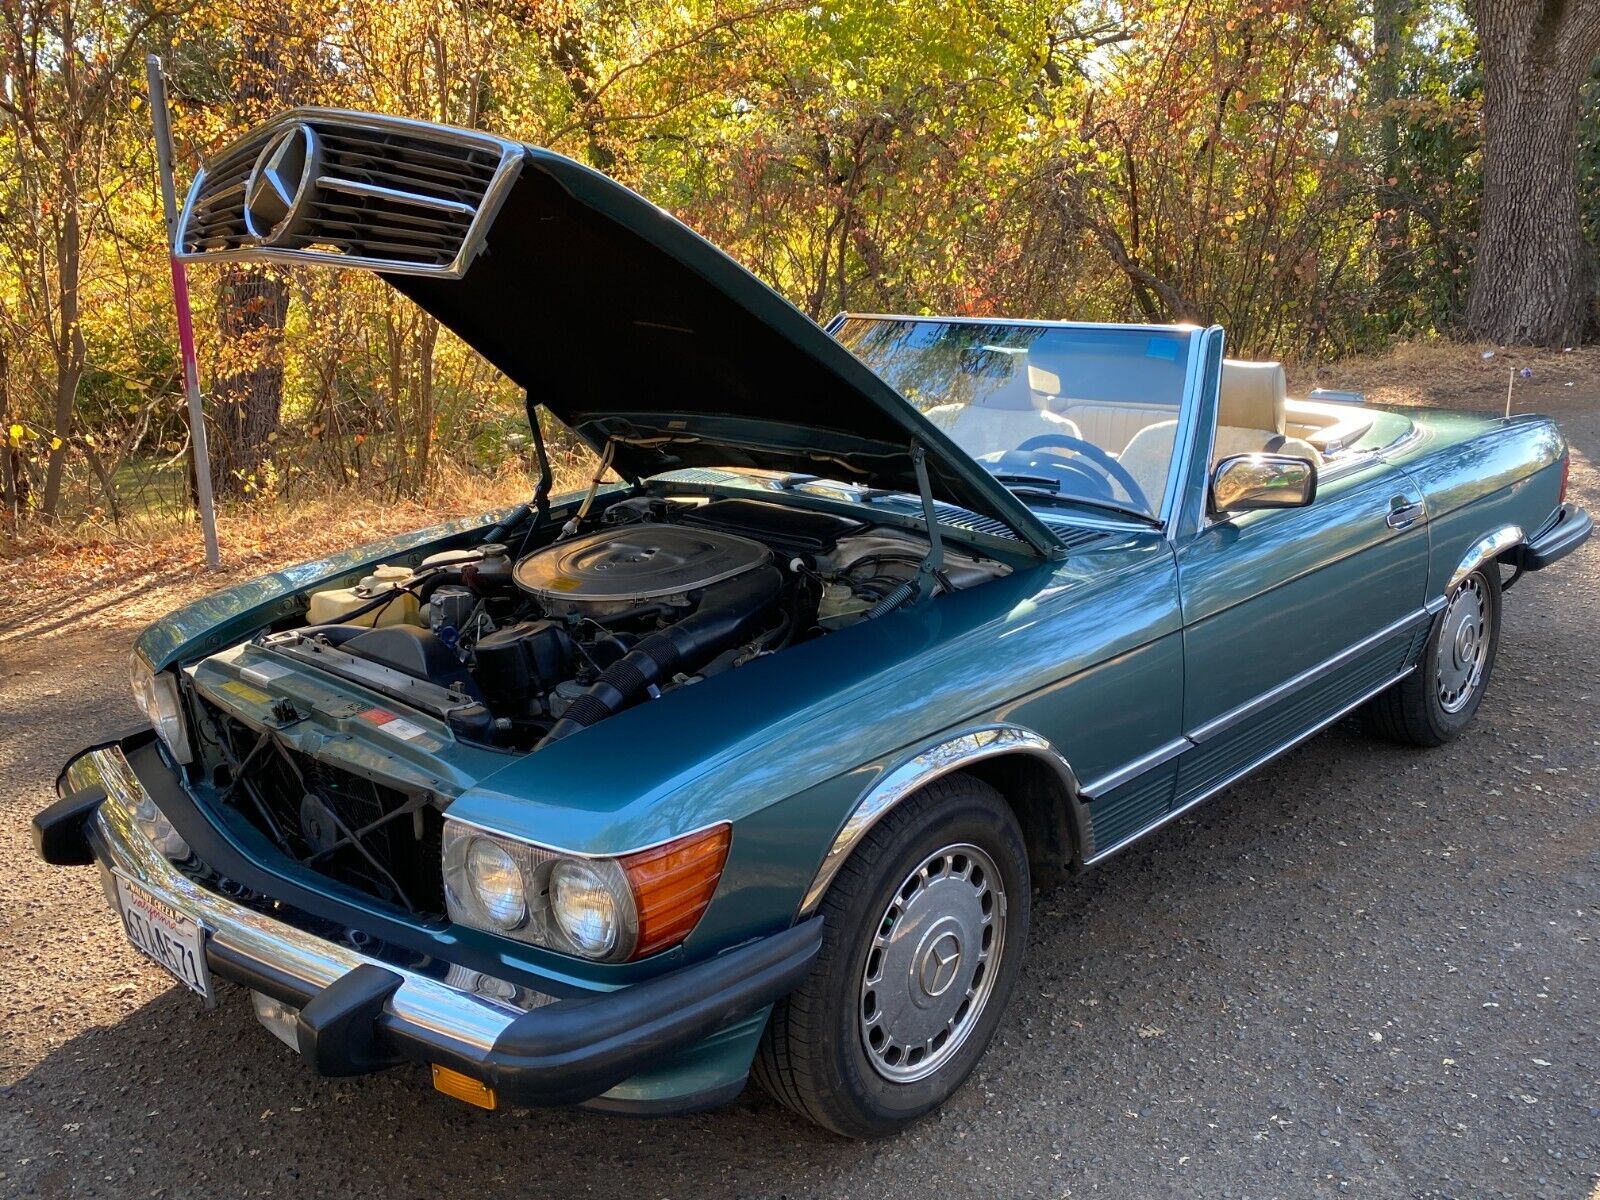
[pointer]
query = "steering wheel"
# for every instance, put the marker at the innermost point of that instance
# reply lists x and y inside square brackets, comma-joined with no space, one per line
[1102,461]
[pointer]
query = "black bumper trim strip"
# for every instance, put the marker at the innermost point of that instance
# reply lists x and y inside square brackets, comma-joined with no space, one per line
[566,1053]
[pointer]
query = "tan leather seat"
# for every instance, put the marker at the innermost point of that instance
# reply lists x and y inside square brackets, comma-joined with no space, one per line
[1003,419]
[1106,421]
[1147,457]
[1250,420]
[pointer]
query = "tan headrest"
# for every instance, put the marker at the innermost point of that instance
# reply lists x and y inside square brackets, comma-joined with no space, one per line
[1042,380]
[1252,395]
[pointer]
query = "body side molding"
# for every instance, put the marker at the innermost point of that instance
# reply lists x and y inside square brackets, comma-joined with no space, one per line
[1127,773]
[1254,707]
[1259,761]
[1258,704]
[921,769]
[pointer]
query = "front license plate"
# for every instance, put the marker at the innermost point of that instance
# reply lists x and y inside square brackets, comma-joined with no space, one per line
[166,937]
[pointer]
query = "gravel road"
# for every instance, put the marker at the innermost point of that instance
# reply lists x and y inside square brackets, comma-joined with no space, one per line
[1365,971]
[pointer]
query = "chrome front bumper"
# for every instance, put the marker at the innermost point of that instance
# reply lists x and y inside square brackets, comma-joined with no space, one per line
[358,1013]
[305,962]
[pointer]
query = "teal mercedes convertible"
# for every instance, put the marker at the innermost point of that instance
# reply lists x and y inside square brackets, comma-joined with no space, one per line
[748,758]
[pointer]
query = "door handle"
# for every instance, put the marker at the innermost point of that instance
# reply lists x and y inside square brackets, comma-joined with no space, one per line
[1403,514]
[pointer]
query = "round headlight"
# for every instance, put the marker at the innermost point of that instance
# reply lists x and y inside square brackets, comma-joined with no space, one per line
[157,697]
[496,883]
[584,902]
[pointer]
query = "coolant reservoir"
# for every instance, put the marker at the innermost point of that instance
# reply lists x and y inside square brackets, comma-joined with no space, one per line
[329,607]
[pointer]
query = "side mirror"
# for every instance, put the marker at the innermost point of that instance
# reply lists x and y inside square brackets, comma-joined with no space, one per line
[1247,482]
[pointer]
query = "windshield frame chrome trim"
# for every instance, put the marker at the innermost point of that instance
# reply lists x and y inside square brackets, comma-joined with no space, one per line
[1188,436]
[1029,322]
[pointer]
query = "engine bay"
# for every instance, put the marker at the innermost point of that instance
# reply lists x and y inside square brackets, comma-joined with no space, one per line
[521,651]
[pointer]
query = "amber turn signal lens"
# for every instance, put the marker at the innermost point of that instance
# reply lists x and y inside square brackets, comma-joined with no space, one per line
[672,885]
[462,1087]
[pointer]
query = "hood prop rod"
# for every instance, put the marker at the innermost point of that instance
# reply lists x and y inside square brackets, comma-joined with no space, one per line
[540,508]
[921,587]
[541,490]
[575,522]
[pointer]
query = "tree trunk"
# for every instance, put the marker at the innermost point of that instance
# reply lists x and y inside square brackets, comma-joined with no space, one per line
[253,301]
[1391,30]
[247,395]
[1534,282]
[13,480]
[71,353]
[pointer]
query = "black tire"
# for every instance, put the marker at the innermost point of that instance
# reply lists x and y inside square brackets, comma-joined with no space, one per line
[813,1057]
[1413,712]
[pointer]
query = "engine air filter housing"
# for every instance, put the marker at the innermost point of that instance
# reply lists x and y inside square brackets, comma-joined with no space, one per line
[617,569]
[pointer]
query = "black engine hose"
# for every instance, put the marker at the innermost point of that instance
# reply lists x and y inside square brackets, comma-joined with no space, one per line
[726,614]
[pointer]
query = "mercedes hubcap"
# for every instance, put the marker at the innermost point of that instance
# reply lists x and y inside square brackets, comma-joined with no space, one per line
[932,963]
[1463,644]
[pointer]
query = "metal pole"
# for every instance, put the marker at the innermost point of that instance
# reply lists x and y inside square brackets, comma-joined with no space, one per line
[161,119]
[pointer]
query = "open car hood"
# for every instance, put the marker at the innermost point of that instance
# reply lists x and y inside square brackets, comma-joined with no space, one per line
[625,323]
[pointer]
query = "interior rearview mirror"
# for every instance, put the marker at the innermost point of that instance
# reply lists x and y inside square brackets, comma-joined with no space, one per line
[1246,482]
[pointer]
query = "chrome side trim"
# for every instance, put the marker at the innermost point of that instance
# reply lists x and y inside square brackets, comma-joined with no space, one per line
[1235,776]
[1490,545]
[311,961]
[1217,724]
[1131,771]
[1161,755]
[918,771]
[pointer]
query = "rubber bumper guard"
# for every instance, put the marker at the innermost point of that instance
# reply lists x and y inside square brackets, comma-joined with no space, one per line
[1570,529]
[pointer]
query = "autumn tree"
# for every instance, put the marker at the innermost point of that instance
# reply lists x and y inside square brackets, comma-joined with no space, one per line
[1534,281]
[66,67]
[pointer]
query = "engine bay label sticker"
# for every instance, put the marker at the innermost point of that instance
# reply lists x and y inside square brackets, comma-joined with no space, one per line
[245,692]
[393,723]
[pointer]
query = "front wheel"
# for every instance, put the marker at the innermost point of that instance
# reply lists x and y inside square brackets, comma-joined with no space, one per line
[923,937]
[1438,700]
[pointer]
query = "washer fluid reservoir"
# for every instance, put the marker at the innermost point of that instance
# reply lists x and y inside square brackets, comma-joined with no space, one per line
[330,606]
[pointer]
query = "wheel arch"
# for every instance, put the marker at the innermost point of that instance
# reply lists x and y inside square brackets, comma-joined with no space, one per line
[1492,545]
[1033,777]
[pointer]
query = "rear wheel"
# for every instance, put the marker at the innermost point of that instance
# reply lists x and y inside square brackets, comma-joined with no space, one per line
[1438,700]
[922,942]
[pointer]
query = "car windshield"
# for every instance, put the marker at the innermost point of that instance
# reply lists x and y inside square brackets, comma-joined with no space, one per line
[1059,414]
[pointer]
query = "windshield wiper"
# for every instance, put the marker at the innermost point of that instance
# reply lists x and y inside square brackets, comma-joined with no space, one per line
[1088,502]
[1041,483]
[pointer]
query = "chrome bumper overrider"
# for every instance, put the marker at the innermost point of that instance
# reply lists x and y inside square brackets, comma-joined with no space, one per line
[359,1013]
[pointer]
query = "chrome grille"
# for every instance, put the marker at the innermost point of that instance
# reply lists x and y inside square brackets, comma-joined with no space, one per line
[370,191]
